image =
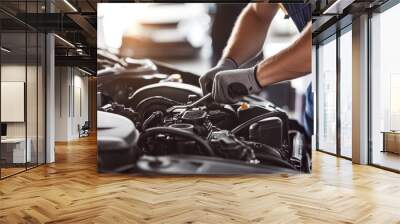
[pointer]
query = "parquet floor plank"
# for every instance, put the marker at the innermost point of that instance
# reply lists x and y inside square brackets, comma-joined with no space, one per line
[71,191]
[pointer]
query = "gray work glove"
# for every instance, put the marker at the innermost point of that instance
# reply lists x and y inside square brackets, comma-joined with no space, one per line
[206,80]
[231,85]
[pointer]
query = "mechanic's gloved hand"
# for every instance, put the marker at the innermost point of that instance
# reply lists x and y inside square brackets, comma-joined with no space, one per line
[206,80]
[231,85]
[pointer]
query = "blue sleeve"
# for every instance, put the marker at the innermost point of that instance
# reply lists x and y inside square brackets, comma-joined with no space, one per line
[300,14]
[309,112]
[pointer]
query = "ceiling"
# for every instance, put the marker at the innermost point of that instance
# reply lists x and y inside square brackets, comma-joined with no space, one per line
[74,22]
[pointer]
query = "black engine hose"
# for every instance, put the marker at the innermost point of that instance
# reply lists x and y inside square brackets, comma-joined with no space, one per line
[154,103]
[174,131]
[253,120]
[155,115]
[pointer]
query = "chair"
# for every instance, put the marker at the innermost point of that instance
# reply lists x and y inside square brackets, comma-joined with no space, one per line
[84,129]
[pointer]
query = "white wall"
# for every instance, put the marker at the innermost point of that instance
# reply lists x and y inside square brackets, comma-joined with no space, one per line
[16,73]
[33,126]
[80,103]
[62,80]
[71,96]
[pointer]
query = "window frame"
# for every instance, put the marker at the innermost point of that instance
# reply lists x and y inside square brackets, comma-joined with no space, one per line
[27,29]
[333,37]
[378,10]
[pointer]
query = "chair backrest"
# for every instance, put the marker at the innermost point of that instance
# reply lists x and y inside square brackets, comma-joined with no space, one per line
[86,125]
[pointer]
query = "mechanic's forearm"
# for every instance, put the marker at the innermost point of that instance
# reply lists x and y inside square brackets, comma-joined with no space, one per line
[249,32]
[290,63]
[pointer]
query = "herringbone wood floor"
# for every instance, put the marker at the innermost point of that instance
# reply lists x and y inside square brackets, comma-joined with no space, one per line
[71,191]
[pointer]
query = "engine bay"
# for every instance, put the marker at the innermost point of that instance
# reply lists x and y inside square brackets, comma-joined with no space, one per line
[170,128]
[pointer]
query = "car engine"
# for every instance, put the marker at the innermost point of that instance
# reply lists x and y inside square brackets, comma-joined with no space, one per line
[169,127]
[203,129]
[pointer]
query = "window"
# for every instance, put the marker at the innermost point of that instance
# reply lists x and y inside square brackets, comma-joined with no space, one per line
[385,89]
[346,93]
[327,96]
[15,146]
[22,78]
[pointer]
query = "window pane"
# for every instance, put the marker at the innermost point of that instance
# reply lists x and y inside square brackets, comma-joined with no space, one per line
[327,97]
[41,98]
[14,144]
[31,97]
[345,94]
[385,114]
